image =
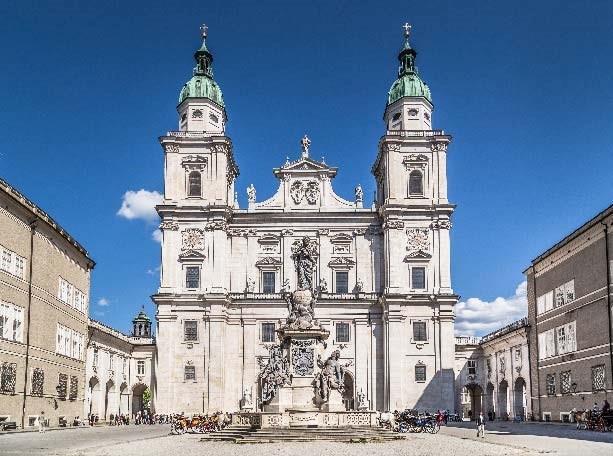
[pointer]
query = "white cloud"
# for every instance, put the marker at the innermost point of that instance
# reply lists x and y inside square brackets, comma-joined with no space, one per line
[99,313]
[157,236]
[475,317]
[103,302]
[154,271]
[140,205]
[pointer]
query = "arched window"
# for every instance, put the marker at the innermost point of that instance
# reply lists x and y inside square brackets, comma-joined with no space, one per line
[194,185]
[416,183]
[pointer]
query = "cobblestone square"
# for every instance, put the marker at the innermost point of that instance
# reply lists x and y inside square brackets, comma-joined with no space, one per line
[458,440]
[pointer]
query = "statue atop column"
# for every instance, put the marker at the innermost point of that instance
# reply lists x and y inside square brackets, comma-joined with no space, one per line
[301,302]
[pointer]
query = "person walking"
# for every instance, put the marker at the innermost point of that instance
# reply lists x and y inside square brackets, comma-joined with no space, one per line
[41,423]
[480,421]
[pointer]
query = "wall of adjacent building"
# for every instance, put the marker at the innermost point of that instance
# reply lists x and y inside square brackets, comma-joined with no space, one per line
[53,257]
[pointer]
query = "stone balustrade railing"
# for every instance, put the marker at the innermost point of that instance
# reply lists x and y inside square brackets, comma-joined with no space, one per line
[467,340]
[415,133]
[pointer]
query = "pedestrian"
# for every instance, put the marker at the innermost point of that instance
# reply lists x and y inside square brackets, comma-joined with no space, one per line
[41,423]
[606,407]
[480,421]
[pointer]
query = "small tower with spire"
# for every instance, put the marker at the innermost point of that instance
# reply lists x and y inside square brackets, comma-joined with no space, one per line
[409,102]
[201,106]
[141,325]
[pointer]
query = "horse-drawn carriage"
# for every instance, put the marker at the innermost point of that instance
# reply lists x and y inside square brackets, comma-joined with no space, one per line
[411,421]
[593,420]
[180,424]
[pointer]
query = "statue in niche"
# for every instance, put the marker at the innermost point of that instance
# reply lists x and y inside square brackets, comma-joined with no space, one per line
[359,286]
[274,374]
[323,285]
[331,376]
[250,285]
[251,193]
[362,402]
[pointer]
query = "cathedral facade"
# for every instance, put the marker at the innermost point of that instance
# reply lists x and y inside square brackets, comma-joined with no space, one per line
[381,276]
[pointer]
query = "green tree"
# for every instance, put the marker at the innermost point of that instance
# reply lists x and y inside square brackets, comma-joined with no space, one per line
[147,398]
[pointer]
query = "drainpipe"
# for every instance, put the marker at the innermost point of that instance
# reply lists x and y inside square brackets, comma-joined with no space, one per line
[538,374]
[32,225]
[606,243]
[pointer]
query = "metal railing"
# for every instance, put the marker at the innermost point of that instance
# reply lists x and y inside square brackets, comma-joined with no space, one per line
[506,329]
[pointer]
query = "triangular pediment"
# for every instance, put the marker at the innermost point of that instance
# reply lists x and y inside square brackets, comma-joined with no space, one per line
[417,255]
[192,255]
[268,261]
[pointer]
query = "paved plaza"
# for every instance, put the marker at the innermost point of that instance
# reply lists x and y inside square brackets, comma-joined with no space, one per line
[457,440]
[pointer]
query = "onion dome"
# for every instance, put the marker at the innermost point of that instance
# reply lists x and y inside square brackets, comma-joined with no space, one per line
[202,84]
[408,84]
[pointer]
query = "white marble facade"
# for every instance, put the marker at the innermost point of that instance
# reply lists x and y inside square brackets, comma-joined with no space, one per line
[493,374]
[383,272]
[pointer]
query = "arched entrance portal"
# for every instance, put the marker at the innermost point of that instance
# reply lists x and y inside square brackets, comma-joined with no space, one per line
[474,404]
[489,400]
[348,400]
[519,398]
[94,396]
[138,404]
[503,390]
[124,399]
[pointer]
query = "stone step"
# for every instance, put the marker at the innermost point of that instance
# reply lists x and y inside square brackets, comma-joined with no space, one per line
[302,434]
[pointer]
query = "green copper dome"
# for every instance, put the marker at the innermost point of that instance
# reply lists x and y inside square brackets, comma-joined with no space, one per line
[202,84]
[408,84]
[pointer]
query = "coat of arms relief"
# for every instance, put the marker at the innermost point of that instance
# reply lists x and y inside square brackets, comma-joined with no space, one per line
[418,243]
[300,190]
[192,239]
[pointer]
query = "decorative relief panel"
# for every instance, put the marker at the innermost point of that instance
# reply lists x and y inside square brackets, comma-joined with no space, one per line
[242,232]
[341,262]
[192,239]
[194,163]
[438,147]
[212,226]
[268,262]
[393,225]
[341,243]
[171,148]
[441,225]
[300,190]
[418,243]
[269,244]
[169,225]
[303,360]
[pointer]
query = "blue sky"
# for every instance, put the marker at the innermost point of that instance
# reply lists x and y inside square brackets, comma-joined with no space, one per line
[524,87]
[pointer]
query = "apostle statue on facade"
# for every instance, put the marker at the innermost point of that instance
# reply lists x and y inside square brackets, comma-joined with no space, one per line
[251,193]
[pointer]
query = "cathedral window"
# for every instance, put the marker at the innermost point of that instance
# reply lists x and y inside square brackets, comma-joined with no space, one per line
[140,367]
[268,332]
[342,282]
[342,332]
[416,183]
[420,372]
[190,372]
[190,330]
[194,187]
[418,278]
[420,331]
[192,277]
[268,281]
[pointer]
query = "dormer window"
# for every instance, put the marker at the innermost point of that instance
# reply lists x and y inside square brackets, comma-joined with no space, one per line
[195,184]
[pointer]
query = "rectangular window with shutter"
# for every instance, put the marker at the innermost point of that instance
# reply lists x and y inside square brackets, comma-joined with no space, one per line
[268,282]
[190,373]
[418,278]
[565,382]
[192,277]
[342,281]
[419,331]
[190,330]
[74,388]
[550,384]
[342,332]
[38,381]
[268,332]
[420,373]
[62,386]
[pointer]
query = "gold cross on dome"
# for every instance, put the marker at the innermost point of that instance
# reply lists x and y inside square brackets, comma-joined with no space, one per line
[407,29]
[203,30]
